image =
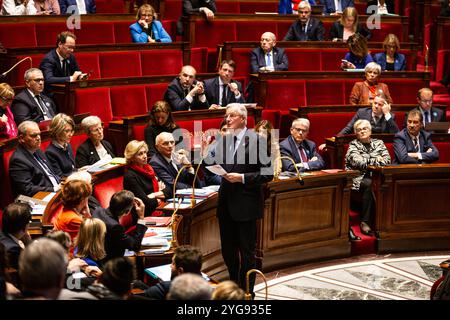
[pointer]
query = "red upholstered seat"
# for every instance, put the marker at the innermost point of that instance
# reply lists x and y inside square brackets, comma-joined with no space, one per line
[104,191]
[199,59]
[11,36]
[7,195]
[326,125]
[128,101]
[47,32]
[282,27]
[403,91]
[96,101]
[110,6]
[89,63]
[161,62]
[331,58]
[172,9]
[303,59]
[242,58]
[328,92]
[444,151]
[138,132]
[154,93]
[442,63]
[122,31]
[17,75]
[251,31]
[211,33]
[386,28]
[95,33]
[281,91]
[228,7]
[120,64]
[76,141]
[171,27]
[258,6]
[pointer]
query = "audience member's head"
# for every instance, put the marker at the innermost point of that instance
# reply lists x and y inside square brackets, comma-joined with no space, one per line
[226,70]
[90,240]
[62,237]
[117,276]
[65,44]
[187,76]
[165,144]
[136,152]
[16,218]
[34,80]
[349,18]
[304,12]
[414,122]
[29,135]
[363,130]
[6,95]
[93,127]
[228,290]
[75,193]
[82,175]
[42,268]
[268,41]
[121,203]
[186,259]
[62,128]
[236,116]
[357,44]
[189,286]
[372,72]
[161,115]
[146,12]
[300,129]
[425,98]
[391,44]
[377,104]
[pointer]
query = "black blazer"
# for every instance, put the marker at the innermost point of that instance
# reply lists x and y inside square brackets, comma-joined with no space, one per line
[12,250]
[152,131]
[175,96]
[24,107]
[62,161]
[257,60]
[193,6]
[383,126]
[390,5]
[337,31]
[27,176]
[116,240]
[141,186]
[212,89]
[403,145]
[289,148]
[315,31]
[87,155]
[52,70]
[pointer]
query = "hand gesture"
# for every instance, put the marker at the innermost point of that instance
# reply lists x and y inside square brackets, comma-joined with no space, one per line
[4,118]
[143,23]
[140,207]
[234,88]
[386,108]
[208,13]
[161,185]
[233,177]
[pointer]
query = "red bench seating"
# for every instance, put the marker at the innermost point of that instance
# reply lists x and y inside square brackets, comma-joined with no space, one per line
[110,6]
[103,191]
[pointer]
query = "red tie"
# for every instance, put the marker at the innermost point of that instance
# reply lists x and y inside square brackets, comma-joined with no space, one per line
[302,154]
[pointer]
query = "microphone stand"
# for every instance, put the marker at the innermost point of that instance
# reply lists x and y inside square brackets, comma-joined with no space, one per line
[248,295]
[299,177]
[3,75]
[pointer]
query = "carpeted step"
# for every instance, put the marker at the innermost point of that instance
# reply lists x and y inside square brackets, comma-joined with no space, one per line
[367,244]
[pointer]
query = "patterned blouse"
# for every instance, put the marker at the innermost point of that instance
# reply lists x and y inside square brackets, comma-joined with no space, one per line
[361,155]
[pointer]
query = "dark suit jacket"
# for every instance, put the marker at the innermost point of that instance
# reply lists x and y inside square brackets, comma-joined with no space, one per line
[330,8]
[212,89]
[167,173]
[337,31]
[437,115]
[64,4]
[399,61]
[193,6]
[403,144]
[243,201]
[175,96]
[383,126]
[315,31]
[87,155]
[62,161]
[141,186]
[289,148]
[257,60]
[24,107]
[27,176]
[12,250]
[116,240]
[390,5]
[52,70]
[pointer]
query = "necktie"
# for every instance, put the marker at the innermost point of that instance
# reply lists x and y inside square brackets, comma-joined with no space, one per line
[426,113]
[47,169]
[43,107]
[376,119]
[269,62]
[64,67]
[223,103]
[416,144]
[302,154]
[339,7]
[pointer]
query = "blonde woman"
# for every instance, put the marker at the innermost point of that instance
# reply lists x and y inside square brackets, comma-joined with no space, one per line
[90,242]
[8,127]
[347,25]
[391,59]
[59,152]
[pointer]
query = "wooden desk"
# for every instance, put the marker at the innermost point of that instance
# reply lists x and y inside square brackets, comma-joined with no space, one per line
[412,211]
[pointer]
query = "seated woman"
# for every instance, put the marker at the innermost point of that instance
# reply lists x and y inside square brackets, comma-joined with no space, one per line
[75,195]
[363,152]
[147,28]
[140,177]
[390,59]
[265,129]
[46,7]
[59,152]
[347,25]
[8,127]
[90,242]
[160,121]
[363,92]
[94,148]
[358,56]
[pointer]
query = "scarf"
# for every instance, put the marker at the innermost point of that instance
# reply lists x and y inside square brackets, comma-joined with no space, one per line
[148,172]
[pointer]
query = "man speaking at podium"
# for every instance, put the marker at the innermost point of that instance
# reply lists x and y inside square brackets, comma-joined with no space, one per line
[243,155]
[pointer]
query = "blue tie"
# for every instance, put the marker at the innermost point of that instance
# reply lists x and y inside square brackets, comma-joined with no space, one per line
[269,62]
[426,117]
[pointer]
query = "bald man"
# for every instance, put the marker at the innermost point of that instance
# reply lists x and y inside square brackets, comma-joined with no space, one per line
[185,92]
[267,57]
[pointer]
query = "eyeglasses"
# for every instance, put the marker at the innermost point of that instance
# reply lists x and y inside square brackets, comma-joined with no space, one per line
[231,115]
[300,130]
[427,101]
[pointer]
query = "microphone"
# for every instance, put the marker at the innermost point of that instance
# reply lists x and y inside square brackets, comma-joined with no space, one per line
[3,75]
[299,177]
[248,295]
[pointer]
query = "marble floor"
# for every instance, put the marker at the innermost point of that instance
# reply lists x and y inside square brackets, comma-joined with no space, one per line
[371,277]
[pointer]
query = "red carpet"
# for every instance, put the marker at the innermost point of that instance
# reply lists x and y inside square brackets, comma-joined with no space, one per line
[367,244]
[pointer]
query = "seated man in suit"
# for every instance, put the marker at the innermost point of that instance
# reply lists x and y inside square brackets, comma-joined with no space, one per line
[60,65]
[186,93]
[268,57]
[413,144]
[301,150]
[379,115]
[335,7]
[167,163]
[30,103]
[222,90]
[425,107]
[82,7]
[29,169]
[306,28]
[116,240]
[207,7]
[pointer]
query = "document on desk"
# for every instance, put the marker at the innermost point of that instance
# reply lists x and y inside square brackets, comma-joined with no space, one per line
[217,169]
[164,272]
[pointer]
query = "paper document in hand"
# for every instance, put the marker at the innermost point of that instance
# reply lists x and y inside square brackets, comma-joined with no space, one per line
[154,242]
[217,169]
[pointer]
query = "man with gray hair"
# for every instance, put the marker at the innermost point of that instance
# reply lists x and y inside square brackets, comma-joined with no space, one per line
[268,57]
[29,169]
[31,103]
[301,150]
[189,286]
[306,28]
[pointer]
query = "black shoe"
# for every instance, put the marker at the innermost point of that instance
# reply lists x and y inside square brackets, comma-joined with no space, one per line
[352,236]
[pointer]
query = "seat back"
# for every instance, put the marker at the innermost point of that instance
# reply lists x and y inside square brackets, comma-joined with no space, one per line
[103,191]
